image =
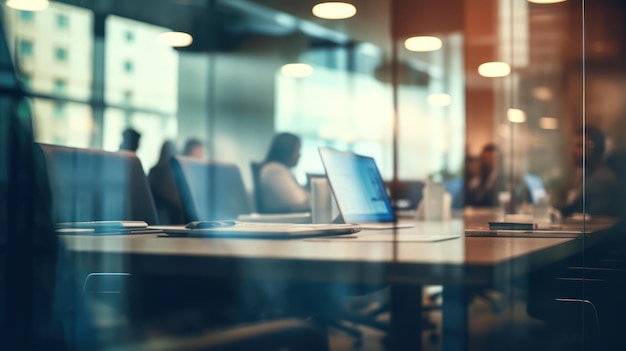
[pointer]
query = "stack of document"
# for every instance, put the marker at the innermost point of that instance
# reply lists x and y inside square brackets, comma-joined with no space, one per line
[237,229]
[104,228]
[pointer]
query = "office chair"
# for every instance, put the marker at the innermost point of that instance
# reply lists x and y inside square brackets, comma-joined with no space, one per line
[255,169]
[406,195]
[209,190]
[92,185]
[89,185]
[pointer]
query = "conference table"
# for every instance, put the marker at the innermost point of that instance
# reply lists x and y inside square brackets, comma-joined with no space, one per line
[406,259]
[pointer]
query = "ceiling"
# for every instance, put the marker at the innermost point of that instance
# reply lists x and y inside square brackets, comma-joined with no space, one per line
[550,35]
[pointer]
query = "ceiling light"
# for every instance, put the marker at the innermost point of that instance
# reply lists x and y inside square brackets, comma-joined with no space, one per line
[516,115]
[28,5]
[175,39]
[545,1]
[494,69]
[550,123]
[297,70]
[439,99]
[422,43]
[334,10]
[542,93]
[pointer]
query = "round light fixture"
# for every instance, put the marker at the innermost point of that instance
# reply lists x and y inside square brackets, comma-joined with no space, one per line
[28,5]
[542,93]
[549,123]
[422,44]
[334,10]
[516,115]
[439,99]
[545,1]
[296,70]
[175,39]
[494,69]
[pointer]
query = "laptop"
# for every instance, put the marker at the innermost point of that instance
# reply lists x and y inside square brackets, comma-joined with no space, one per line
[536,189]
[359,190]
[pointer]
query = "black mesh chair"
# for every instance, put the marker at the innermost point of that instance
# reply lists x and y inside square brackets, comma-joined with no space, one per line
[90,185]
[209,190]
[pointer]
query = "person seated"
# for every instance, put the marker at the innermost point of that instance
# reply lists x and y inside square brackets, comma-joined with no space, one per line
[194,148]
[594,194]
[483,178]
[279,190]
[130,140]
[163,187]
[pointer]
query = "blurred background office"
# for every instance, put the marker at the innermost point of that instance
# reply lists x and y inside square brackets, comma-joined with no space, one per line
[481,91]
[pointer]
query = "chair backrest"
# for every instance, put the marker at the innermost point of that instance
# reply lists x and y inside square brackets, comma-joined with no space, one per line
[89,185]
[209,190]
[406,194]
[255,169]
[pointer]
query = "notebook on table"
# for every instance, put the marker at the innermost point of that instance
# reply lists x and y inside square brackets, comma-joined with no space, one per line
[237,229]
[549,231]
[359,190]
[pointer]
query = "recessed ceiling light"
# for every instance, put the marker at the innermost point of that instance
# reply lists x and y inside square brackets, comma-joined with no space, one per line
[28,5]
[175,39]
[542,93]
[545,1]
[439,99]
[334,10]
[550,123]
[516,115]
[296,70]
[422,43]
[494,69]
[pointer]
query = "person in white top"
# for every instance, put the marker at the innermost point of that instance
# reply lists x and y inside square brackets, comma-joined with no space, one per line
[280,192]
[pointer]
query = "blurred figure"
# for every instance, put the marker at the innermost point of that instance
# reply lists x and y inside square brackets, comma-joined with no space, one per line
[596,192]
[483,177]
[194,148]
[163,186]
[130,140]
[280,192]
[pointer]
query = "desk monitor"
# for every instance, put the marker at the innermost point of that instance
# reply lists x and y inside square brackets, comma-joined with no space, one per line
[535,187]
[358,187]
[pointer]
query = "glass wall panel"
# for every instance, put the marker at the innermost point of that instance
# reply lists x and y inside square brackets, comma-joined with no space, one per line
[496,126]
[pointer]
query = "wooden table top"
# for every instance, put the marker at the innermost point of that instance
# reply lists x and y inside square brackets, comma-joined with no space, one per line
[372,257]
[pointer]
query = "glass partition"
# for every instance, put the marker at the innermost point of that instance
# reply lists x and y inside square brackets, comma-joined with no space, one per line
[477,113]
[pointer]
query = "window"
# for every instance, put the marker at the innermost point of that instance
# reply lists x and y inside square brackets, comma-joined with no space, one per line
[61,111]
[26,48]
[27,16]
[63,21]
[59,86]
[141,87]
[60,54]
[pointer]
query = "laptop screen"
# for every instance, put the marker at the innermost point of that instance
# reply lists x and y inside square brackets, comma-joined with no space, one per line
[358,187]
[535,187]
